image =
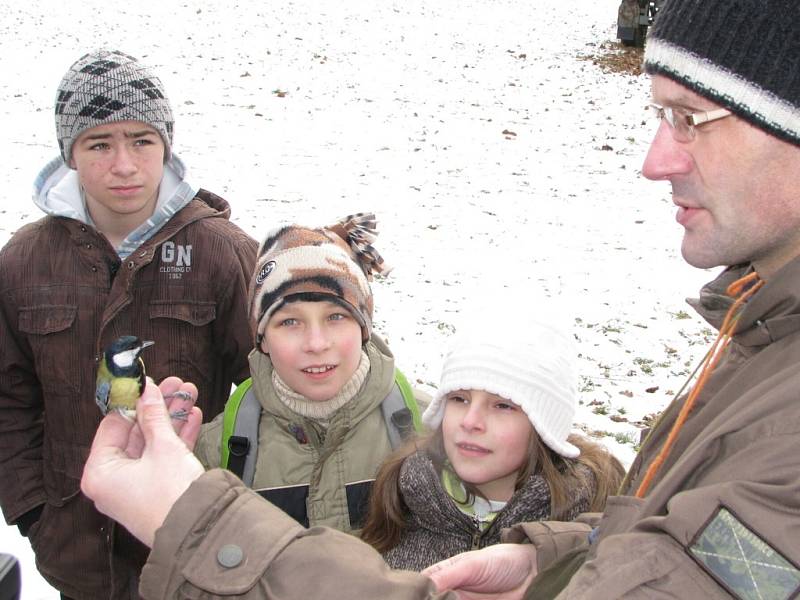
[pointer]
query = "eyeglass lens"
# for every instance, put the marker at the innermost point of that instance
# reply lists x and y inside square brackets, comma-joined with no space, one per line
[682,130]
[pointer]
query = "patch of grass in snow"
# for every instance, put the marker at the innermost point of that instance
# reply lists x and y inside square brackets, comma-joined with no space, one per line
[626,438]
[645,364]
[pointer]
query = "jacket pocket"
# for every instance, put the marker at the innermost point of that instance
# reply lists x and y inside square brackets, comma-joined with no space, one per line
[52,336]
[197,313]
[184,330]
[358,501]
[33,532]
[46,318]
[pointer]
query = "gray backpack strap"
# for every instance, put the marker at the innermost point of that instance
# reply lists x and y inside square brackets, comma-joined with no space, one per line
[246,429]
[397,416]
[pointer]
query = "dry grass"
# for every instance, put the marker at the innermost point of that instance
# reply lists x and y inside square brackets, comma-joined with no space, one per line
[614,57]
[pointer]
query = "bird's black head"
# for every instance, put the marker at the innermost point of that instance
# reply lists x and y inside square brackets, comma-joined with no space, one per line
[123,354]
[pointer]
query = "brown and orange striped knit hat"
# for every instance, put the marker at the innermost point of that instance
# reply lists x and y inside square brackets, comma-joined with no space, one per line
[333,263]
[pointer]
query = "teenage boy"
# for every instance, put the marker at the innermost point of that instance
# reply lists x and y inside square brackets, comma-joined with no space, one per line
[128,246]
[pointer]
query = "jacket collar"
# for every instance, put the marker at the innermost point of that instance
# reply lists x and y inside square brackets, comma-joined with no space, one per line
[432,508]
[771,314]
[57,192]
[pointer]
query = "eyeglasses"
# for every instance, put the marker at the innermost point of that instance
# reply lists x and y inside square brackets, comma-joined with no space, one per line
[682,124]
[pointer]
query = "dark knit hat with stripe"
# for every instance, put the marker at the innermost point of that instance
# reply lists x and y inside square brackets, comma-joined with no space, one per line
[740,54]
[332,263]
[106,86]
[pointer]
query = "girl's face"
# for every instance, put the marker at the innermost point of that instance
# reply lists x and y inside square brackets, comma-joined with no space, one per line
[315,347]
[486,439]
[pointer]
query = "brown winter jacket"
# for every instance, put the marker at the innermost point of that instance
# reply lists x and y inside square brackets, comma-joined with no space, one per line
[64,295]
[218,521]
[722,516]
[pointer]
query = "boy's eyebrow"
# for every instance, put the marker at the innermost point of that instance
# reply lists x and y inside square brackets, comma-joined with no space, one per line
[141,133]
[127,134]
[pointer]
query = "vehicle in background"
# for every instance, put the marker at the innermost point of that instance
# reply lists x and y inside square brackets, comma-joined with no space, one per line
[633,19]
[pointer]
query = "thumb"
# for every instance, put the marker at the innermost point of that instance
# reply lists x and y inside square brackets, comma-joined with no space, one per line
[152,415]
[450,573]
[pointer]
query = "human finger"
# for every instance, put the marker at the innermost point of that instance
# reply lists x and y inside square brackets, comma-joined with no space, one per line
[136,442]
[152,415]
[113,432]
[451,572]
[108,447]
[190,429]
[181,396]
[180,402]
[504,569]
[170,385]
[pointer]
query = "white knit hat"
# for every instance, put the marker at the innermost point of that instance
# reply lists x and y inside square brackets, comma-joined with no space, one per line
[528,359]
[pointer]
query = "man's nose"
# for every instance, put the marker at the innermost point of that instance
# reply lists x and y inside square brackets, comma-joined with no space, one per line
[666,157]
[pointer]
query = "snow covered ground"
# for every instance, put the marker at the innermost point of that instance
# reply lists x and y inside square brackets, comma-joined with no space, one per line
[500,163]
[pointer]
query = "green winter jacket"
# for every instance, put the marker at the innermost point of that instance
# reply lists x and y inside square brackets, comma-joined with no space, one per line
[318,476]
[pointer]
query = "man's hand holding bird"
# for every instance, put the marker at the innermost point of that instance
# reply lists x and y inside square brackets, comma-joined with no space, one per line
[124,452]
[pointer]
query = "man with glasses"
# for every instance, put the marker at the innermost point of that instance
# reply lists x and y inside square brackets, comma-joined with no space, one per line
[711,505]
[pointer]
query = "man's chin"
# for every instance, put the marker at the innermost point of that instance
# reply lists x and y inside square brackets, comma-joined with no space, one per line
[700,258]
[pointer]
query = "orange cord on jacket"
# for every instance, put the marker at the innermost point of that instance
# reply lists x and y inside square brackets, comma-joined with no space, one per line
[712,359]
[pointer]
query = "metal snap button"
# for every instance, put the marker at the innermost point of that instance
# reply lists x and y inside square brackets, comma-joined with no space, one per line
[230,555]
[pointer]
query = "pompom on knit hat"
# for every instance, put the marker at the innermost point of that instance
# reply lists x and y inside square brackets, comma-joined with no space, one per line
[333,263]
[106,86]
[528,359]
[738,53]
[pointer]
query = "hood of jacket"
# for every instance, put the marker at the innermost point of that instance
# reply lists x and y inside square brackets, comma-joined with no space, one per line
[57,192]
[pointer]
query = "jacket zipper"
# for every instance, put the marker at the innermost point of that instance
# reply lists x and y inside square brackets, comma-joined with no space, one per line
[476,536]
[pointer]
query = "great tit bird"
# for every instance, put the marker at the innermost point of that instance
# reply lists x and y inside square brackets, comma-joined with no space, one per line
[121,379]
[121,376]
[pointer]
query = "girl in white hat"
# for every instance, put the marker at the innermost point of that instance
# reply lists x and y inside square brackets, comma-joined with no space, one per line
[500,451]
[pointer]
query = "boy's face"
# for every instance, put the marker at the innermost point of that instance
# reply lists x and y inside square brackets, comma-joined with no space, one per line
[487,440]
[315,347]
[120,166]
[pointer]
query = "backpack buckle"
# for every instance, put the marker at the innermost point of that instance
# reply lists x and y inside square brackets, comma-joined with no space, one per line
[238,445]
[403,421]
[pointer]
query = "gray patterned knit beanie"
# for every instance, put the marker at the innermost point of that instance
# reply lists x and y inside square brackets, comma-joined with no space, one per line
[106,86]
[738,53]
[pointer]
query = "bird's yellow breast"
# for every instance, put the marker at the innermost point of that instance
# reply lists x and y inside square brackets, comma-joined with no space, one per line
[124,393]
